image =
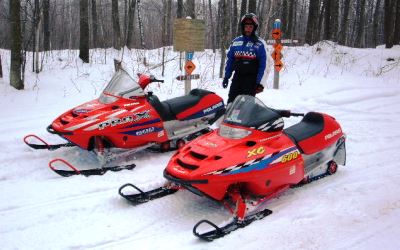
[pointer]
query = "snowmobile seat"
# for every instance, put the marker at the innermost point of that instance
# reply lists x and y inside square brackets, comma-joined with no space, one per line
[311,124]
[162,108]
[181,103]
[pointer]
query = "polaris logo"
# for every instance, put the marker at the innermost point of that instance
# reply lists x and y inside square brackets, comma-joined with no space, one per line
[210,109]
[330,135]
[144,131]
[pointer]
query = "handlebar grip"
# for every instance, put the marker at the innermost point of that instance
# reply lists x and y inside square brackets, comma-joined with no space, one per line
[155,80]
[297,114]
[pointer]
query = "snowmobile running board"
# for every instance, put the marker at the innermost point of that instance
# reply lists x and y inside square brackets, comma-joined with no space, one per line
[219,232]
[45,145]
[143,197]
[86,172]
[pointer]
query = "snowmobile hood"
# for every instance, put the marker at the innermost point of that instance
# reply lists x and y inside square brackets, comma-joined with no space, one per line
[212,152]
[94,115]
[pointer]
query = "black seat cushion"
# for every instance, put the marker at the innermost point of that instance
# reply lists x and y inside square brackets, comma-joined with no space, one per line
[162,109]
[181,103]
[310,125]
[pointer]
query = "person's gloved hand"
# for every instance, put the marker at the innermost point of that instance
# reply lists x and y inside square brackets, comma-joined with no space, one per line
[225,83]
[259,88]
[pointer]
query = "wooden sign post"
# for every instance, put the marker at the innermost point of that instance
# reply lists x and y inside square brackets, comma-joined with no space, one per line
[189,36]
[276,54]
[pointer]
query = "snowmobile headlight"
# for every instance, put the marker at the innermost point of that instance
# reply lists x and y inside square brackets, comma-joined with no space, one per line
[233,133]
[107,99]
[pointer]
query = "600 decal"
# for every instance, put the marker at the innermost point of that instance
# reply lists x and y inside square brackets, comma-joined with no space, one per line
[290,156]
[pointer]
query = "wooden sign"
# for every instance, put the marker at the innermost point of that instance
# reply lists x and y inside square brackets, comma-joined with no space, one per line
[283,41]
[276,55]
[187,77]
[278,65]
[276,34]
[189,67]
[189,35]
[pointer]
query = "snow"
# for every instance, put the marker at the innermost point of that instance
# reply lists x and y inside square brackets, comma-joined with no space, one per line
[357,208]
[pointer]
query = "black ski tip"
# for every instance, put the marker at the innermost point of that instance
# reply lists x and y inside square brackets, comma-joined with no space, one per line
[134,199]
[208,236]
[220,232]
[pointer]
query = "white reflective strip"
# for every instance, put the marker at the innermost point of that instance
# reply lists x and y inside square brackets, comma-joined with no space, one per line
[116,113]
[137,108]
[80,125]
[93,127]
[90,118]
[263,126]
[280,120]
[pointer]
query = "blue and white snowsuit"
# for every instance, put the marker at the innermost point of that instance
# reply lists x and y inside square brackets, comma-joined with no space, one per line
[247,56]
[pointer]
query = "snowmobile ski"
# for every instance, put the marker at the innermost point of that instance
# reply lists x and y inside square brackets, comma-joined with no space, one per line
[143,197]
[86,172]
[46,145]
[219,232]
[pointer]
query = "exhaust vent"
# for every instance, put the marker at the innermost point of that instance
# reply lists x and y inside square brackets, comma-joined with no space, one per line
[187,166]
[197,155]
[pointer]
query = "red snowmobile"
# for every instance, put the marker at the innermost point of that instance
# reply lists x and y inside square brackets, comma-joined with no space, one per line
[126,119]
[251,159]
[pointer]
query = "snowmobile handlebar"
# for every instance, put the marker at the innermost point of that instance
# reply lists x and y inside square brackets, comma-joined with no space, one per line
[287,113]
[157,80]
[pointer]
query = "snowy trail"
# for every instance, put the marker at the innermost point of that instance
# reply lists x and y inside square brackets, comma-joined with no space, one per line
[357,208]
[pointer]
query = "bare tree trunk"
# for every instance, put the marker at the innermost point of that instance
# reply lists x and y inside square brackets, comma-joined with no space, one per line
[334,20]
[389,23]
[190,9]
[284,17]
[224,39]
[261,15]
[116,26]
[94,25]
[312,21]
[169,20]
[179,10]
[361,25]
[376,23]
[234,20]
[46,25]
[131,24]
[327,17]
[317,34]
[84,30]
[290,19]
[345,19]
[212,26]
[164,35]
[252,6]
[1,69]
[16,45]
[142,43]
[243,8]
[396,39]
[125,33]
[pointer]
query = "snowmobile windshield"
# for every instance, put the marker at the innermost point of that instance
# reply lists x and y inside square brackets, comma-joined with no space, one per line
[122,85]
[248,111]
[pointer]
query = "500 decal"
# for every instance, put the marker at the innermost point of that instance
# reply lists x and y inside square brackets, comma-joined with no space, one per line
[290,156]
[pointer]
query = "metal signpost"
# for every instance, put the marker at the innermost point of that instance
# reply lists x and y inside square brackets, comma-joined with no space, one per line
[189,36]
[276,54]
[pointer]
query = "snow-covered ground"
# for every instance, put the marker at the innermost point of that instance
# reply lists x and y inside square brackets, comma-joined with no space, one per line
[357,208]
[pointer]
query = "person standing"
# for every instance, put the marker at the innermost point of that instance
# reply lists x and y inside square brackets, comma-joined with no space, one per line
[247,57]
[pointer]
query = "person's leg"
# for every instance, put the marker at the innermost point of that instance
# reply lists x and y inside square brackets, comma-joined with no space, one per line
[248,85]
[234,90]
